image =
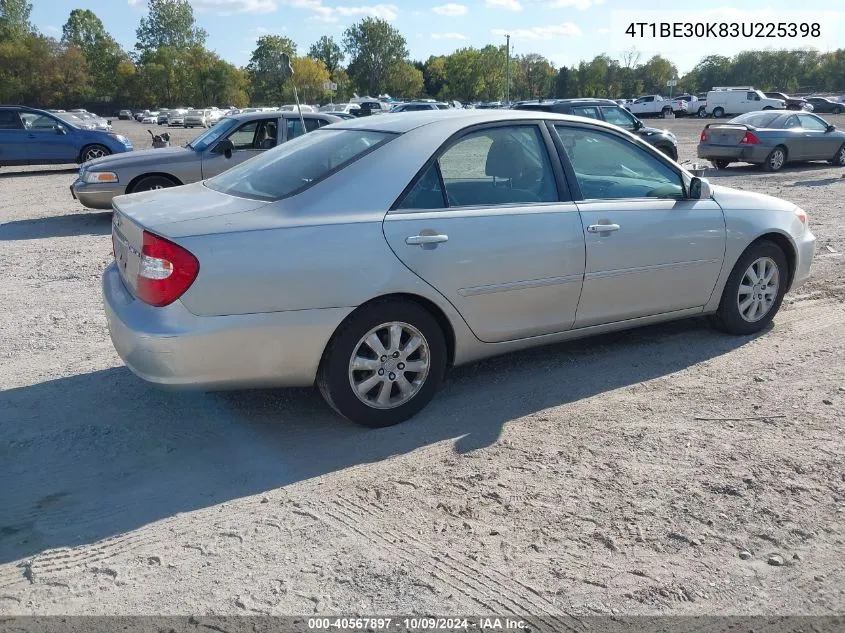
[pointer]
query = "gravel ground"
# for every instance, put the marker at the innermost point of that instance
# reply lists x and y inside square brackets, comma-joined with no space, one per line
[670,469]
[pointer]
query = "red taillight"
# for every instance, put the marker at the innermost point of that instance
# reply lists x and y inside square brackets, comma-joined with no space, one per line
[165,272]
[703,137]
[749,139]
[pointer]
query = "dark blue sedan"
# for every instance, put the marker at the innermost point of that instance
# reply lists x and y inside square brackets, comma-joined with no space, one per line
[35,137]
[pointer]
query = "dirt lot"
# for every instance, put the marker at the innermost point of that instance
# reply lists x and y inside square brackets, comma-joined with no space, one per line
[670,469]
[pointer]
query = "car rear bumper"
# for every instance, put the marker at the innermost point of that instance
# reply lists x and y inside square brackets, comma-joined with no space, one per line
[745,154]
[174,347]
[95,195]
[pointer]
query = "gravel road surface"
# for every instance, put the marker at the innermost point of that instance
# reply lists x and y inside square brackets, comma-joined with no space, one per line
[670,469]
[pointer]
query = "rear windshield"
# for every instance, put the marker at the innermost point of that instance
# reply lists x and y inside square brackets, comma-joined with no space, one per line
[757,119]
[296,165]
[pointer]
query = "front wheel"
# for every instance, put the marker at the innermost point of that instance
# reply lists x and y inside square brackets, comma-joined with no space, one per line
[151,183]
[775,160]
[718,112]
[754,291]
[91,152]
[384,364]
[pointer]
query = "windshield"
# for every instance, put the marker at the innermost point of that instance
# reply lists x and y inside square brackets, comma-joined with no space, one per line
[297,164]
[211,135]
[756,119]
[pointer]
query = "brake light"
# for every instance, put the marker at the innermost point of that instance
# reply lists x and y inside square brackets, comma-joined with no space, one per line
[749,139]
[703,137]
[165,272]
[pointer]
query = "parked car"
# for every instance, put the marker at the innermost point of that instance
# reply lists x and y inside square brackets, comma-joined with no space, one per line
[557,228]
[176,118]
[340,115]
[340,107]
[772,139]
[150,118]
[656,105]
[29,136]
[162,117]
[230,142]
[739,100]
[97,122]
[611,112]
[826,105]
[140,115]
[291,107]
[213,116]
[125,115]
[418,106]
[695,105]
[196,118]
[792,103]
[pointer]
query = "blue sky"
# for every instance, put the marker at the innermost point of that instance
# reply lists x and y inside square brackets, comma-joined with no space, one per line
[565,31]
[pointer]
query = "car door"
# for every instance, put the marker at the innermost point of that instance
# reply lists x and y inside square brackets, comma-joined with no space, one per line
[489,223]
[249,139]
[13,145]
[819,144]
[49,139]
[649,250]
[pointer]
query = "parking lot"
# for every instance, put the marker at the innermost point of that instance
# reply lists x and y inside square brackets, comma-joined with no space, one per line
[671,469]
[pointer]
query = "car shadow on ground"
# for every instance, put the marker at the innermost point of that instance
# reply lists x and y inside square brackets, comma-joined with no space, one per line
[90,456]
[747,169]
[821,182]
[39,172]
[93,223]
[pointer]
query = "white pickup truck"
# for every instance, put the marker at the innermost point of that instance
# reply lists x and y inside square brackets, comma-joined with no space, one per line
[655,105]
[696,105]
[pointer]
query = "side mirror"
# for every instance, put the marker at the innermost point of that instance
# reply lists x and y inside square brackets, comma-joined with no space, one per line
[60,129]
[637,124]
[830,128]
[699,189]
[225,147]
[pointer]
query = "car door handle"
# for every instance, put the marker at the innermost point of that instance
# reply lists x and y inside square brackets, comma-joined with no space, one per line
[602,228]
[422,240]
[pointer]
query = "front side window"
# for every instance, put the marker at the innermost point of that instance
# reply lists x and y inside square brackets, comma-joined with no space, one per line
[296,165]
[490,167]
[39,121]
[753,96]
[619,116]
[812,123]
[609,167]
[211,135]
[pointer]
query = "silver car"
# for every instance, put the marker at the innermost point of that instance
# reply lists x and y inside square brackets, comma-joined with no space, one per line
[370,256]
[230,142]
[772,139]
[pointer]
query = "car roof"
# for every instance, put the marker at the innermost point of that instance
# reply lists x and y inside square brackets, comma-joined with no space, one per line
[582,101]
[287,114]
[405,122]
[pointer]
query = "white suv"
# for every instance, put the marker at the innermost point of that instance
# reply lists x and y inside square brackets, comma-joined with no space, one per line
[739,100]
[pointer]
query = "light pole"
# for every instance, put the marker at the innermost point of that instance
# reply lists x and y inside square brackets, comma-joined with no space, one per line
[508,71]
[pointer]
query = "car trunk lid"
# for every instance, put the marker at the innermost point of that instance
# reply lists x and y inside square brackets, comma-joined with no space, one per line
[725,134]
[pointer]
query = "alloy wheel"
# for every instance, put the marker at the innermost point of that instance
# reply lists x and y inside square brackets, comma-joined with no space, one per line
[389,365]
[758,289]
[92,153]
[776,159]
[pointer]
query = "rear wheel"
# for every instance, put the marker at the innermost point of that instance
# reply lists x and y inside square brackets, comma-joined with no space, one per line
[776,159]
[839,159]
[718,112]
[721,164]
[666,113]
[754,291]
[384,364]
[90,152]
[837,110]
[151,183]
[702,112]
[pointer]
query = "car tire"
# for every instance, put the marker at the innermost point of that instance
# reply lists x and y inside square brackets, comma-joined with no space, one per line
[768,108]
[90,152]
[836,110]
[718,112]
[381,364]
[151,183]
[702,113]
[737,313]
[776,159]
[665,112]
[839,158]
[721,164]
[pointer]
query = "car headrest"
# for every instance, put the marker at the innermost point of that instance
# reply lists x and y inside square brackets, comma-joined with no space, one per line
[505,159]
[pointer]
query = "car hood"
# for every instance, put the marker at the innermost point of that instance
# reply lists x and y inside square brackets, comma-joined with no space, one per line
[736,199]
[180,211]
[142,157]
[651,131]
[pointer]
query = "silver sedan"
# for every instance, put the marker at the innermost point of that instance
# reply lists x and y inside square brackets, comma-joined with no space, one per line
[369,256]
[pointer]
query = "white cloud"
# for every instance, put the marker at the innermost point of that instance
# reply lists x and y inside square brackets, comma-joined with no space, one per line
[581,5]
[323,13]
[228,7]
[451,10]
[135,3]
[541,32]
[448,36]
[510,5]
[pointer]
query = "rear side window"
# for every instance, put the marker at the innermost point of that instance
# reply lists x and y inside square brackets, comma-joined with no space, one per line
[590,112]
[757,119]
[295,126]
[298,164]
[9,120]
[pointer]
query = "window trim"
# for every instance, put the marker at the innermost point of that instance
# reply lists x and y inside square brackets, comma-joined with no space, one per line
[813,117]
[562,187]
[569,170]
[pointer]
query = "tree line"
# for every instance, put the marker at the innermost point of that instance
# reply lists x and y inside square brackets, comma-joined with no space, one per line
[170,65]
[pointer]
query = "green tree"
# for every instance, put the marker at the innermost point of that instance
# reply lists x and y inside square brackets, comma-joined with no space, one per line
[536,75]
[169,23]
[434,76]
[14,20]
[404,80]
[374,47]
[265,68]
[328,51]
[103,54]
